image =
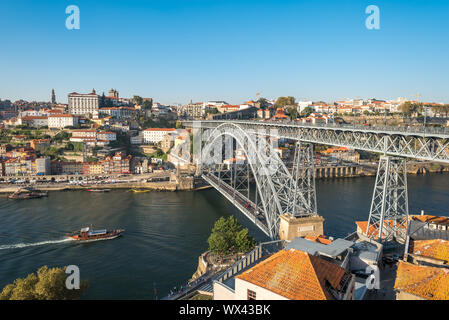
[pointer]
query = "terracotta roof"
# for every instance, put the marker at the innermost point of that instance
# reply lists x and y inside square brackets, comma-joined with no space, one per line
[296,275]
[431,219]
[363,225]
[436,249]
[426,282]
[160,129]
[60,116]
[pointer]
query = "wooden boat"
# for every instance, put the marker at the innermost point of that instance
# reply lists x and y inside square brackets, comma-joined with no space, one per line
[86,234]
[27,193]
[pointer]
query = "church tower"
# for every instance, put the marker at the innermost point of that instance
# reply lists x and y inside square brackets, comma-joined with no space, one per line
[53,96]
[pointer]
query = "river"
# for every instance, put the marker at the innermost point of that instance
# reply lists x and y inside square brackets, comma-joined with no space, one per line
[165,231]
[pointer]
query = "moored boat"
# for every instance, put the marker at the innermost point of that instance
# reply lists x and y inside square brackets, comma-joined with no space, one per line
[98,190]
[140,190]
[26,193]
[86,234]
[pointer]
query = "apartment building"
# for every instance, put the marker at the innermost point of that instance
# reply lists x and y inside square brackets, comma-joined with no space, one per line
[60,121]
[156,135]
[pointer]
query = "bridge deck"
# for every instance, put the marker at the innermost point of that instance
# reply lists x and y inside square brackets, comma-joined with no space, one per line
[245,205]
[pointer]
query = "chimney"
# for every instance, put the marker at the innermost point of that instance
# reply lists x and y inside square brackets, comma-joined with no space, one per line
[422,212]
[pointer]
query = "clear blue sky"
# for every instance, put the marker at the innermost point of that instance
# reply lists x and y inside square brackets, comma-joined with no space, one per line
[175,51]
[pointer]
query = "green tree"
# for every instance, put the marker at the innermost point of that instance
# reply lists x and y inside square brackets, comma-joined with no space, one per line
[285,101]
[148,104]
[307,111]
[61,136]
[138,100]
[263,103]
[293,112]
[46,284]
[229,237]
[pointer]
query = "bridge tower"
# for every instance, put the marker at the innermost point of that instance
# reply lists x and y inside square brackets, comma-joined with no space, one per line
[302,218]
[303,172]
[389,206]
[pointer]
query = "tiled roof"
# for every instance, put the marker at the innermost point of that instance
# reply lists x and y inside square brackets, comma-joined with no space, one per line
[363,225]
[426,282]
[436,249]
[431,219]
[160,129]
[296,275]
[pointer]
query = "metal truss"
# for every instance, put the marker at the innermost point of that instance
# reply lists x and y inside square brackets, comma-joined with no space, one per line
[389,206]
[303,173]
[276,191]
[427,145]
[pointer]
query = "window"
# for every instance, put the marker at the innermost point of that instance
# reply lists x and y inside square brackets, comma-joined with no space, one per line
[251,295]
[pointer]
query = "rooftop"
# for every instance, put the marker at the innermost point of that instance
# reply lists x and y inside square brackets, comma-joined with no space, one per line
[425,282]
[435,248]
[297,275]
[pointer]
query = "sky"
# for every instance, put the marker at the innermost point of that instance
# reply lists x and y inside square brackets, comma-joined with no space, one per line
[177,51]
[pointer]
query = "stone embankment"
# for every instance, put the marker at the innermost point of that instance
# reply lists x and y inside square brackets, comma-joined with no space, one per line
[179,184]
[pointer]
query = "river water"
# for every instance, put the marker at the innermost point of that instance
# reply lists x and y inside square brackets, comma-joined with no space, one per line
[165,231]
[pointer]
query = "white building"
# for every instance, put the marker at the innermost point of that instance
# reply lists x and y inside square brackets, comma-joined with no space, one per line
[34,121]
[61,121]
[83,104]
[155,135]
[108,136]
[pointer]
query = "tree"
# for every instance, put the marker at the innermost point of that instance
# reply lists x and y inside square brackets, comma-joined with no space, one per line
[148,104]
[293,112]
[46,284]
[307,111]
[409,108]
[138,100]
[285,101]
[263,103]
[229,237]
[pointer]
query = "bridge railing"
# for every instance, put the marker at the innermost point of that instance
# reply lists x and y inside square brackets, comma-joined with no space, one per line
[406,129]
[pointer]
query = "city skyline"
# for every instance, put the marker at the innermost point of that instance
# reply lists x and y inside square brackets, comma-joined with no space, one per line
[177,52]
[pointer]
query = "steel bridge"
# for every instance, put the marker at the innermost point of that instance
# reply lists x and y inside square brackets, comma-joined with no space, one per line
[263,187]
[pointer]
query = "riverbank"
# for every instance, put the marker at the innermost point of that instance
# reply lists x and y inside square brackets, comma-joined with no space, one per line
[182,184]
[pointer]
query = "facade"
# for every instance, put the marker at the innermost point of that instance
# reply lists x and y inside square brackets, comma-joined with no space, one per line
[155,135]
[167,142]
[43,166]
[119,112]
[84,104]
[60,121]
[35,121]
[118,164]
[195,110]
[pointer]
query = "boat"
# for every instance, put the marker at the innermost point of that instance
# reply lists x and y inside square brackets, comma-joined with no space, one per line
[140,190]
[87,234]
[98,190]
[27,193]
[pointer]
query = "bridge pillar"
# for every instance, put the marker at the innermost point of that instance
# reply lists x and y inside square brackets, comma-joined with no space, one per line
[292,227]
[389,206]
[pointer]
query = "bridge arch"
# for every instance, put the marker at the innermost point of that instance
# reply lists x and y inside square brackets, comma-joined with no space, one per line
[274,182]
